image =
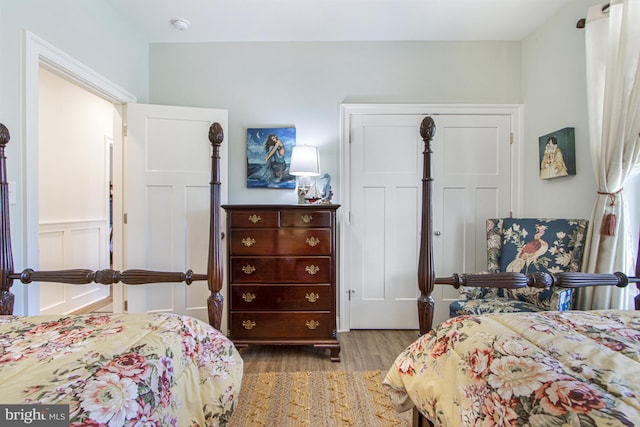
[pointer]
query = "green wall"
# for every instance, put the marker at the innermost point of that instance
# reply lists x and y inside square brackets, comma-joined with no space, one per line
[303,85]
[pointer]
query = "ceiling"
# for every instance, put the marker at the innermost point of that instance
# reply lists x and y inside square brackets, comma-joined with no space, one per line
[336,20]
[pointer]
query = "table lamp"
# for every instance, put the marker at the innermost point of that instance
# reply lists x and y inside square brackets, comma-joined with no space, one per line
[305,164]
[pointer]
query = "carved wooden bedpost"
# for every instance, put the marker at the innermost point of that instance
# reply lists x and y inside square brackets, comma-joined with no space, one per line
[6,256]
[214,266]
[426,270]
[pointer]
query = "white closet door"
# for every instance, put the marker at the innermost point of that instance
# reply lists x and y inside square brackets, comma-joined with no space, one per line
[472,182]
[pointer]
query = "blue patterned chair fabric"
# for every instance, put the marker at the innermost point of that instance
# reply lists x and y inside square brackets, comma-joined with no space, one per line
[526,245]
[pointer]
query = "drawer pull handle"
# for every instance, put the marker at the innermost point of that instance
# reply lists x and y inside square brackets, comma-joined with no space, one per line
[248,297]
[248,269]
[248,241]
[306,218]
[312,324]
[248,324]
[312,297]
[312,269]
[312,241]
[255,218]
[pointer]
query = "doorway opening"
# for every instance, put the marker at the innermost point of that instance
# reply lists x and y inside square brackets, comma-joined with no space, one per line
[74,190]
[39,55]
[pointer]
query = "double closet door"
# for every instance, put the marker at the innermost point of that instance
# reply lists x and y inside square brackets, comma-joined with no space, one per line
[472,157]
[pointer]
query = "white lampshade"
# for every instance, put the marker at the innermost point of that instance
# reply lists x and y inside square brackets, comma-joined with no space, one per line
[305,161]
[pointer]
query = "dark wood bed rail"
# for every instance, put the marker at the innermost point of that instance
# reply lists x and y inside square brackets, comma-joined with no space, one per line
[580,280]
[213,277]
[540,280]
[106,277]
[490,280]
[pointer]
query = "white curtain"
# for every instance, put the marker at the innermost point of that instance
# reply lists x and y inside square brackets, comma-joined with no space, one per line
[613,89]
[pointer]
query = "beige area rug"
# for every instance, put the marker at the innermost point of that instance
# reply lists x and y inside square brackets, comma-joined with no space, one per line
[323,398]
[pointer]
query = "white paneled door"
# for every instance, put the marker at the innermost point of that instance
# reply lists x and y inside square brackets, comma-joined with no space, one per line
[472,182]
[166,202]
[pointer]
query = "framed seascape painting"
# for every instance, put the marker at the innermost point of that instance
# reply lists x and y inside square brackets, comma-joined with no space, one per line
[269,157]
[557,154]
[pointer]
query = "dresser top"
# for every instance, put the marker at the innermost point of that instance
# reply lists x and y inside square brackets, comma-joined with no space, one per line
[281,206]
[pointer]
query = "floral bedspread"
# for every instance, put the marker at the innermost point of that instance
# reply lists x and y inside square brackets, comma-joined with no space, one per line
[121,369]
[536,369]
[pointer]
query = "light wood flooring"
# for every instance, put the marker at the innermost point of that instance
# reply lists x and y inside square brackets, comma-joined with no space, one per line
[361,350]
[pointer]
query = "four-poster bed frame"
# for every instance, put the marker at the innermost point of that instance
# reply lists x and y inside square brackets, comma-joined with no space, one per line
[214,275]
[406,390]
[426,271]
[146,360]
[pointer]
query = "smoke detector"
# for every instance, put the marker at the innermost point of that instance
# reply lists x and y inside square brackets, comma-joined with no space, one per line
[180,24]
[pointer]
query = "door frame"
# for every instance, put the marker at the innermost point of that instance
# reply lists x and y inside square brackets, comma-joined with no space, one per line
[40,53]
[348,110]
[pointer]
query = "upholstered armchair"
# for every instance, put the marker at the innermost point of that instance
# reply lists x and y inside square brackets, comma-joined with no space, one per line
[526,245]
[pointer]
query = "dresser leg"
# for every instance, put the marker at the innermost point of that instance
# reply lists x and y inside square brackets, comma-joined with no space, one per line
[334,350]
[240,346]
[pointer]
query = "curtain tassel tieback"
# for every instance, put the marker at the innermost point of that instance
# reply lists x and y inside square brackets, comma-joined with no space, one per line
[609,221]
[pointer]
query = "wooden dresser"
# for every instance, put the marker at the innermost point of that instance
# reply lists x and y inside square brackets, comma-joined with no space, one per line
[282,275]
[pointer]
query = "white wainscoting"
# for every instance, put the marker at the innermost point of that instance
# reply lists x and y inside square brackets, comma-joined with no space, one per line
[68,245]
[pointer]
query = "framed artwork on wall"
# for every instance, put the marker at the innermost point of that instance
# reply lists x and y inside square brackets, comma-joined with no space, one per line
[269,157]
[557,153]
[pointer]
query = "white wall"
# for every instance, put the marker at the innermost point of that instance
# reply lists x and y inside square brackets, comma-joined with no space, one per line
[88,31]
[554,91]
[72,159]
[303,85]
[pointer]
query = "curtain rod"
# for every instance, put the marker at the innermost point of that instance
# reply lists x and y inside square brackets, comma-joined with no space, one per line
[581,22]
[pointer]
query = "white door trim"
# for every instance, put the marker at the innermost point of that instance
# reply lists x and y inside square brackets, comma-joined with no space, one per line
[38,52]
[348,110]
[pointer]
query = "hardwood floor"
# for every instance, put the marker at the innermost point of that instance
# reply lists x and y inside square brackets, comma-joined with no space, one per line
[361,350]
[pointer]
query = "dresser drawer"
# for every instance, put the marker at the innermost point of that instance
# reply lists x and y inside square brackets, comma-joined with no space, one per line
[290,324]
[305,218]
[280,269]
[276,297]
[291,241]
[254,219]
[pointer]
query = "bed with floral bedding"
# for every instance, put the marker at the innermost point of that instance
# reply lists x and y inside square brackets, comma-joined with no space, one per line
[153,369]
[121,369]
[543,368]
